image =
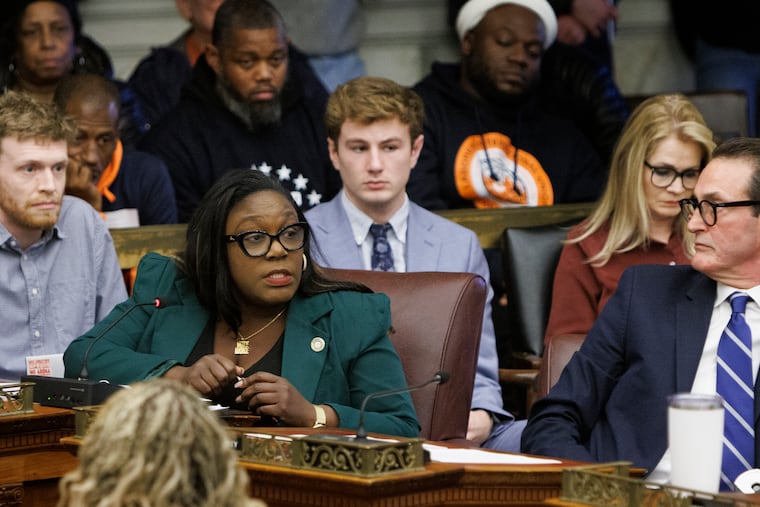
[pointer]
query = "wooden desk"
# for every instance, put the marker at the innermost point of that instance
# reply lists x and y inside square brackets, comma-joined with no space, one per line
[32,458]
[439,484]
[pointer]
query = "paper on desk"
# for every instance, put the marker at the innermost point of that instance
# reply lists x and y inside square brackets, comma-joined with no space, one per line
[479,456]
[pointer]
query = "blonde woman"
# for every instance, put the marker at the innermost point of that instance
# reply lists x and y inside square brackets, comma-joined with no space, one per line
[156,444]
[656,162]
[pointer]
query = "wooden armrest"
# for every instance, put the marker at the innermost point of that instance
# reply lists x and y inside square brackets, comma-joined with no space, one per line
[523,377]
[526,360]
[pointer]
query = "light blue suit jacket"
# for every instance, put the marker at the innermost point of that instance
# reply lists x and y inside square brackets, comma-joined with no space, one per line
[432,244]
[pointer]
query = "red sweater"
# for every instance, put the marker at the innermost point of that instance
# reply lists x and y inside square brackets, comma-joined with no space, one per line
[581,290]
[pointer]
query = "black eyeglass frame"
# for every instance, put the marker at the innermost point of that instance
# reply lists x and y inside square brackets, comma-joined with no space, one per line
[674,173]
[239,238]
[697,205]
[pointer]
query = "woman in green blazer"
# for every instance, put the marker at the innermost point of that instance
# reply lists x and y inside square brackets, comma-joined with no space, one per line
[249,321]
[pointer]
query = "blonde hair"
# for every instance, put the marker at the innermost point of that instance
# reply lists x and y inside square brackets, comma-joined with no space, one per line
[370,99]
[156,444]
[623,205]
[24,118]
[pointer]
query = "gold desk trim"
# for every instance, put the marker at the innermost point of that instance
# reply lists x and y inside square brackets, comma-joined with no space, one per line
[339,454]
[610,485]
[16,398]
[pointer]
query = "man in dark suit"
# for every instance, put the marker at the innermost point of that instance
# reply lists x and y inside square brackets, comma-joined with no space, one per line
[660,333]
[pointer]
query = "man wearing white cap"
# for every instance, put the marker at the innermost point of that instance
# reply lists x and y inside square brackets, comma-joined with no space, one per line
[488,143]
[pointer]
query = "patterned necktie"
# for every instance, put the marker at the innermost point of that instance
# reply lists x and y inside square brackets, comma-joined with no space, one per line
[382,257]
[734,383]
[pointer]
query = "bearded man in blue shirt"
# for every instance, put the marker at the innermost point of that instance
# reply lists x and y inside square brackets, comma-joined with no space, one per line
[59,273]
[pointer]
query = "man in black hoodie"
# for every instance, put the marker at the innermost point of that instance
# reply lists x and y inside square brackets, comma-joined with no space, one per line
[488,143]
[252,102]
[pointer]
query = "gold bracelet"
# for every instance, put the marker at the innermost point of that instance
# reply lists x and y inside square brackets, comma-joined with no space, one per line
[321,421]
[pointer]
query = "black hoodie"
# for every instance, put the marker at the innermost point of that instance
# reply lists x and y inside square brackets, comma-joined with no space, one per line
[200,139]
[555,163]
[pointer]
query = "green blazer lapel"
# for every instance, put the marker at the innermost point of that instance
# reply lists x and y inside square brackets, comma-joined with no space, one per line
[184,324]
[306,346]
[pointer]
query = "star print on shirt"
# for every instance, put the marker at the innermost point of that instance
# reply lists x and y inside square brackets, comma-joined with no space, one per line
[314,198]
[283,172]
[298,186]
[300,182]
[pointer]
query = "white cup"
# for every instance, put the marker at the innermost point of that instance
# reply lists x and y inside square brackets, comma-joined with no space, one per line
[695,436]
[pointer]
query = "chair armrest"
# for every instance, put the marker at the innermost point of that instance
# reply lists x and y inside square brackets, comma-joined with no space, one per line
[556,355]
[520,377]
[526,360]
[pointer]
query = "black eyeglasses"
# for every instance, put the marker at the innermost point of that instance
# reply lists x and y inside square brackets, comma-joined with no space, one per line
[709,210]
[663,177]
[258,243]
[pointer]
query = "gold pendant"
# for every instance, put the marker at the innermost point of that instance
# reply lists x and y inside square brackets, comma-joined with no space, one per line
[241,347]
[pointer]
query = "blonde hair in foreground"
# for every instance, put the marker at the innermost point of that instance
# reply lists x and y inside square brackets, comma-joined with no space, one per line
[156,444]
[623,203]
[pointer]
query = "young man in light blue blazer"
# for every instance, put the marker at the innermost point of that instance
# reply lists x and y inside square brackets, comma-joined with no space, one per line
[374,129]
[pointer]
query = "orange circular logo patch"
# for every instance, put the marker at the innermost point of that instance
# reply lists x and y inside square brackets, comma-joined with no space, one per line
[486,172]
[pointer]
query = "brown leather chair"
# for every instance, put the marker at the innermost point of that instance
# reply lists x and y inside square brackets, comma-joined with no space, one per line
[557,354]
[437,319]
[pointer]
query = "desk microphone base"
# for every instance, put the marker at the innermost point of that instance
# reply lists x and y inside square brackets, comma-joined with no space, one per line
[341,454]
[69,392]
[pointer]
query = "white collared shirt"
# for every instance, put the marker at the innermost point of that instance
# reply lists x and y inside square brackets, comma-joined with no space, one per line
[360,224]
[705,378]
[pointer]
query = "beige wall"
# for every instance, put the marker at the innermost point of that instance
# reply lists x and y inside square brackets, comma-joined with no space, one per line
[405,36]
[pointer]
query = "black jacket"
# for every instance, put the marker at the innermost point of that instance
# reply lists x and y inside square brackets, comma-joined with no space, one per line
[574,86]
[200,139]
[454,122]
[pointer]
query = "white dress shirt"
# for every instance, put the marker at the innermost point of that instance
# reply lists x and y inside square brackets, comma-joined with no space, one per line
[360,224]
[704,380]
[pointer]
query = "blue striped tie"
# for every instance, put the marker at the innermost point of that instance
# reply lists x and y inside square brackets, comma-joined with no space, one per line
[734,383]
[382,256]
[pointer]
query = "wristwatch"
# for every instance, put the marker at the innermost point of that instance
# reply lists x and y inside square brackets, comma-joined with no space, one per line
[321,421]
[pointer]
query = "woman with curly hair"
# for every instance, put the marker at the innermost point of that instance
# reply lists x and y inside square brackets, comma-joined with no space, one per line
[156,444]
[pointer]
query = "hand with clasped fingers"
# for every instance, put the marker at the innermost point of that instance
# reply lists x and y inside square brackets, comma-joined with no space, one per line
[270,395]
[208,375]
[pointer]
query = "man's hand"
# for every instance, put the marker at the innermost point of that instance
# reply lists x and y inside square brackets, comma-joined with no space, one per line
[80,183]
[479,426]
[594,15]
[570,31]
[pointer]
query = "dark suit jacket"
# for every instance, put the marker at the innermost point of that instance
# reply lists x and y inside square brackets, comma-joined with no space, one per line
[610,402]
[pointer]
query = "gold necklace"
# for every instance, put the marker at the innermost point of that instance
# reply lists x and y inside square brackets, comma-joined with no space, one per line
[241,344]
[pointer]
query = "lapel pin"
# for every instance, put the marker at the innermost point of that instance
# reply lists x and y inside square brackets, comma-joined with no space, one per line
[317,344]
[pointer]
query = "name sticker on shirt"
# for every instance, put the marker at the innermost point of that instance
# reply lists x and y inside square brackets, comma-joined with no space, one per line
[50,365]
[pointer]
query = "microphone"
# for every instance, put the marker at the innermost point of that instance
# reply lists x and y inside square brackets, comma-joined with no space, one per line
[440,377]
[158,302]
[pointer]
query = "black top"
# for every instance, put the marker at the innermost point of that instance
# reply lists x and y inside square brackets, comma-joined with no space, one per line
[271,362]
